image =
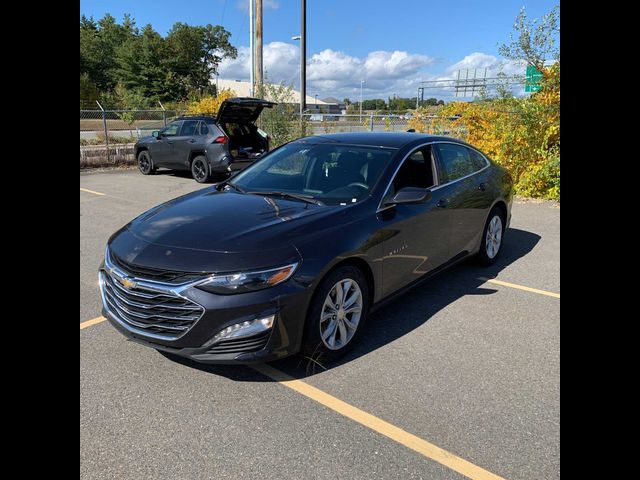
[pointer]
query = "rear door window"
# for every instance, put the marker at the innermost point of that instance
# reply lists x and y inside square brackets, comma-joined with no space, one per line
[477,160]
[456,161]
[204,130]
[189,128]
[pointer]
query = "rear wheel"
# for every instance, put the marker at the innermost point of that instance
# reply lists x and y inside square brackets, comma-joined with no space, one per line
[200,169]
[145,163]
[336,315]
[492,237]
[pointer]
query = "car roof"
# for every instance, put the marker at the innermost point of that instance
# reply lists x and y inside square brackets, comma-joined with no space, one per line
[202,116]
[378,139]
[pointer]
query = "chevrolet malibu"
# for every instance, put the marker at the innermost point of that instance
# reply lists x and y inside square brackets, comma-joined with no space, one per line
[293,253]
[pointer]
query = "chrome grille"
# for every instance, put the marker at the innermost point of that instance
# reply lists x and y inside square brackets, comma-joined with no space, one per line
[149,312]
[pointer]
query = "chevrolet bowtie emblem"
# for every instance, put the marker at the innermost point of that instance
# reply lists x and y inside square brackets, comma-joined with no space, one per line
[128,283]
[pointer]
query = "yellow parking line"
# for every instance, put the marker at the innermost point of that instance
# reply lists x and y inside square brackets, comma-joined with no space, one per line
[520,287]
[93,321]
[376,424]
[91,191]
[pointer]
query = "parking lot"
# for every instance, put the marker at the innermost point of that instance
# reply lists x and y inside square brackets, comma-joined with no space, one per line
[458,378]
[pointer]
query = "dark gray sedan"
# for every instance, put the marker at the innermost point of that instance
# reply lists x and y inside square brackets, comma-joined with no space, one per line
[292,253]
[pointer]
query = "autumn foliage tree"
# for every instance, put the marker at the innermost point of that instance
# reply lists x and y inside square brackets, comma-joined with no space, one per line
[522,134]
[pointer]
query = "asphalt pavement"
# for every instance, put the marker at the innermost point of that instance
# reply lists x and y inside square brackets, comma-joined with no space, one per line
[467,365]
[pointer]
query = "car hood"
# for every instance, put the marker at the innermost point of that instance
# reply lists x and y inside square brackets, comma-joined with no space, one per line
[145,139]
[213,231]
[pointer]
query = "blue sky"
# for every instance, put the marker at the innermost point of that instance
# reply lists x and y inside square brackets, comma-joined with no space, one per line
[391,44]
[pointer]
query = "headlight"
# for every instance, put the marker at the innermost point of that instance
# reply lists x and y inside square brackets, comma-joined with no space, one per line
[247,281]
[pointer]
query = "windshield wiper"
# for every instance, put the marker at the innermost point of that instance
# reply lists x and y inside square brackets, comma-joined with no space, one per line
[295,196]
[232,185]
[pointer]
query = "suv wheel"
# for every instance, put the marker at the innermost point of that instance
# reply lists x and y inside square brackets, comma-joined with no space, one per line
[200,169]
[145,163]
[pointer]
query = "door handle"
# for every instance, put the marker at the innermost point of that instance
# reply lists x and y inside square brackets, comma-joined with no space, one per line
[442,203]
[170,143]
[482,187]
[192,140]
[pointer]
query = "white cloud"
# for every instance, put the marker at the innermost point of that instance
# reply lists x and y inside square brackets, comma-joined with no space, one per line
[492,64]
[386,73]
[335,73]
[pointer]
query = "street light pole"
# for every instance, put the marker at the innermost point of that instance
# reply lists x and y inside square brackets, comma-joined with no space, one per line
[361,82]
[303,54]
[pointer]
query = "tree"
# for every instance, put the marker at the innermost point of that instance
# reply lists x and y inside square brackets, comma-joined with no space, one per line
[141,66]
[194,55]
[373,104]
[534,41]
[99,42]
[144,62]
[88,92]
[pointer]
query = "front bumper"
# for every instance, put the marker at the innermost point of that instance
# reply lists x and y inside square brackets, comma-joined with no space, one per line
[288,302]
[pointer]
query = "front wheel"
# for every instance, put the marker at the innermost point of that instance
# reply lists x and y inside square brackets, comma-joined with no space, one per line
[336,315]
[200,169]
[492,237]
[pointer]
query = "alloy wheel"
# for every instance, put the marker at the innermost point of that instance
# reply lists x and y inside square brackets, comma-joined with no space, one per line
[341,314]
[494,236]
[144,163]
[199,170]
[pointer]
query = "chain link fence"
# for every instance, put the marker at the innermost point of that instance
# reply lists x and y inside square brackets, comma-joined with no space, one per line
[96,126]
[107,136]
[320,124]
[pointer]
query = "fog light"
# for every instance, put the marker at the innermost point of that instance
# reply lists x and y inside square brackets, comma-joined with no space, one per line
[245,329]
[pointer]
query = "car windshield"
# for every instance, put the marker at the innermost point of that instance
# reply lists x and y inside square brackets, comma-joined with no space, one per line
[335,174]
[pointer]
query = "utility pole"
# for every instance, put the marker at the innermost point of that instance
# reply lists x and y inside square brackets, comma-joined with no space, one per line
[303,55]
[252,52]
[259,70]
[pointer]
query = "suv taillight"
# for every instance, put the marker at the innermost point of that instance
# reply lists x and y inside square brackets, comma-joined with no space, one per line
[221,139]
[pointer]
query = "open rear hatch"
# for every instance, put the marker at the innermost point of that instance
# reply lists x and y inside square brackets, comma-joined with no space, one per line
[242,110]
[237,117]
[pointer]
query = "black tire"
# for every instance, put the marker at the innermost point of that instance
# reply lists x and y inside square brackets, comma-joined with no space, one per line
[485,254]
[145,163]
[313,346]
[200,170]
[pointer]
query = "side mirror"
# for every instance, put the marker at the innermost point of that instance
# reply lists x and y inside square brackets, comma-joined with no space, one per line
[408,195]
[156,134]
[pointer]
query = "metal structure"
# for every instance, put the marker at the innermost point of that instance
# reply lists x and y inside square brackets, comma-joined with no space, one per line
[474,83]
[361,83]
[465,85]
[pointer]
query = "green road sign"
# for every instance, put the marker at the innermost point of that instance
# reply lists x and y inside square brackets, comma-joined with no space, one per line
[532,82]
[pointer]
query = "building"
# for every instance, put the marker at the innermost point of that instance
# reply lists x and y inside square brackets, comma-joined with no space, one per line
[335,106]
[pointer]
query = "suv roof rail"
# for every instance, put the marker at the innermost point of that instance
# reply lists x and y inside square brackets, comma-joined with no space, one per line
[191,115]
